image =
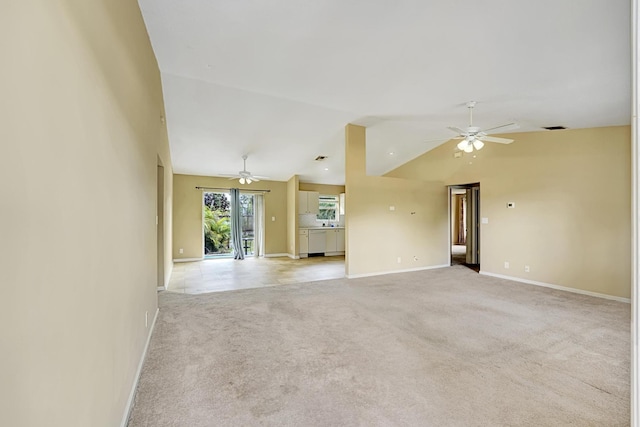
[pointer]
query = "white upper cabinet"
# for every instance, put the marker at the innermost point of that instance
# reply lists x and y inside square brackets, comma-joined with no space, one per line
[308,202]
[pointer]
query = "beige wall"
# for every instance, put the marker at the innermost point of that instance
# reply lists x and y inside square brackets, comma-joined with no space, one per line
[322,188]
[187,213]
[416,231]
[292,217]
[571,223]
[81,104]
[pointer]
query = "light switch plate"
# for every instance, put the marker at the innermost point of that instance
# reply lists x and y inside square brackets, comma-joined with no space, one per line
[485,220]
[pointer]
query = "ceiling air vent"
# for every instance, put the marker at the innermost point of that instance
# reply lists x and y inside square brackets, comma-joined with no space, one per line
[321,158]
[553,127]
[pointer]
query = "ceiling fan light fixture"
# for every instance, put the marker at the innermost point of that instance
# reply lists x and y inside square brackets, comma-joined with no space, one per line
[242,180]
[248,180]
[474,137]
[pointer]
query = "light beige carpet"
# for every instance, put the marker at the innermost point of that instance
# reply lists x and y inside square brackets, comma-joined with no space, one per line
[443,347]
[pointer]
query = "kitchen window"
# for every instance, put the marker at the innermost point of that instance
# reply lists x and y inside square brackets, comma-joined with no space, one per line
[329,208]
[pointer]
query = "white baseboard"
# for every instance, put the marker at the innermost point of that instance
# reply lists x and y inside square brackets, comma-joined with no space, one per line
[408,270]
[558,287]
[132,394]
[187,259]
[276,255]
[293,256]
[161,288]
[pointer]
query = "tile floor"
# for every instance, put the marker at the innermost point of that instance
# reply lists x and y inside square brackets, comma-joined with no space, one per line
[225,274]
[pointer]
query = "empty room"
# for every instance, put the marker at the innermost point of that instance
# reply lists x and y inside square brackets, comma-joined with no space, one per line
[319,213]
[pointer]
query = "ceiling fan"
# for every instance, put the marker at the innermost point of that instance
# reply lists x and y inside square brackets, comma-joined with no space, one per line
[474,137]
[246,177]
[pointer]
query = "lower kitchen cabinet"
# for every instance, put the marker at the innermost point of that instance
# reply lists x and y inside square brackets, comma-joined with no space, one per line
[340,246]
[334,243]
[304,243]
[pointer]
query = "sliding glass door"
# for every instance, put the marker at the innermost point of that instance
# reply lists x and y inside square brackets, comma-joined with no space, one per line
[217,224]
[247,223]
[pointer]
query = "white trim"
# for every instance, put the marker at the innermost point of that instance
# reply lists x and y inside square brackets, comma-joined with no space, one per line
[187,259]
[408,270]
[293,256]
[449,222]
[558,287]
[276,255]
[132,394]
[167,276]
[161,288]
[635,221]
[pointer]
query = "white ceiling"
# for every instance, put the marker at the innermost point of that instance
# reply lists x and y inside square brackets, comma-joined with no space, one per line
[279,79]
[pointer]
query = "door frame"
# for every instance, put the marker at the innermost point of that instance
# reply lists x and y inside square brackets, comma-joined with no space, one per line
[160,241]
[449,211]
[255,219]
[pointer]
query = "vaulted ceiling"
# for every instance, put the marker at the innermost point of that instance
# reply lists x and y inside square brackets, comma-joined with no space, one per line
[279,79]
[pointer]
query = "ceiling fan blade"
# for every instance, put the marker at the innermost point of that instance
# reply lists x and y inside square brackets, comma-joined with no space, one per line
[514,125]
[495,139]
[253,178]
[259,177]
[456,130]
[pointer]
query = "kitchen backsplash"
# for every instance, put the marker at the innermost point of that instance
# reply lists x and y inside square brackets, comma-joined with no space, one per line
[309,220]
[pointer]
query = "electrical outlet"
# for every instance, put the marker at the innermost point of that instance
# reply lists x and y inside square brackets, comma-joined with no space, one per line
[273,218]
[181,250]
[506,265]
[146,319]
[399,260]
[526,269]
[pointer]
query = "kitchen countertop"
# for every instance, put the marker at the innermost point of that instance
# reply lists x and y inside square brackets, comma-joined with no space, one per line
[320,228]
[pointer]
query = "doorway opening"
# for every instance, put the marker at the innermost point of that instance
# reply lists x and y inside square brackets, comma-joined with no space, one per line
[217,226]
[464,222]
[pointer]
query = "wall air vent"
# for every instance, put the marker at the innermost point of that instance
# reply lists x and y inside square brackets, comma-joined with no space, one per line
[321,158]
[553,127]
